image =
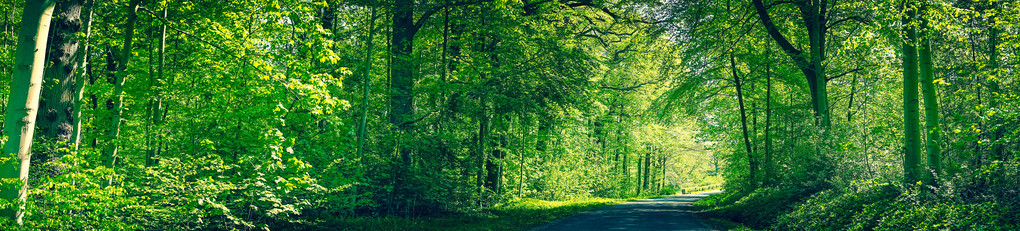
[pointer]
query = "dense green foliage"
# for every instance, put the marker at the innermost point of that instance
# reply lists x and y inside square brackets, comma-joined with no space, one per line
[223,115]
[290,114]
[868,170]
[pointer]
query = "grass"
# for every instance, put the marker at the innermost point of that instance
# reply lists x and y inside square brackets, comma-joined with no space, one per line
[522,214]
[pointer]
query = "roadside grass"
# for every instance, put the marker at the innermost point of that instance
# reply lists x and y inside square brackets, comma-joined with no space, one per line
[522,214]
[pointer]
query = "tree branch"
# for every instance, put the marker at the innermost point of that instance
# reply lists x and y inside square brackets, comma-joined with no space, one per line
[844,73]
[428,13]
[629,88]
[773,31]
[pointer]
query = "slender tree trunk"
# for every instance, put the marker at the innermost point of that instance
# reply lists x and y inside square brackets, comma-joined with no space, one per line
[769,165]
[366,88]
[931,103]
[850,105]
[638,177]
[648,169]
[23,105]
[994,88]
[481,157]
[79,90]
[662,177]
[912,135]
[752,165]
[110,154]
[152,157]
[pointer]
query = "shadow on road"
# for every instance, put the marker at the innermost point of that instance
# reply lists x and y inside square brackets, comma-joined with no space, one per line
[664,213]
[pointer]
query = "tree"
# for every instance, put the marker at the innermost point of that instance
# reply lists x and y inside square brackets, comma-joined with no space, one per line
[911,123]
[752,164]
[110,154]
[933,147]
[814,13]
[61,82]
[22,106]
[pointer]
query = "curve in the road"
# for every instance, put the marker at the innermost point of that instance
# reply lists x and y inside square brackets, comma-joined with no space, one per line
[665,213]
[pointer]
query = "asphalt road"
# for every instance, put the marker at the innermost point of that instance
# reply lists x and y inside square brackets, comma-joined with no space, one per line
[665,213]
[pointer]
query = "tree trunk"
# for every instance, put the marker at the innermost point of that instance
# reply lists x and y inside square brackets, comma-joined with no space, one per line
[647,168]
[156,103]
[850,104]
[994,95]
[110,154]
[80,86]
[912,135]
[662,178]
[493,167]
[768,164]
[365,90]
[403,71]
[59,83]
[813,13]
[931,103]
[23,105]
[481,156]
[752,165]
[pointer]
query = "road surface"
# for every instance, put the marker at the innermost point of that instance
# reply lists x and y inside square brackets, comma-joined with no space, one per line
[665,213]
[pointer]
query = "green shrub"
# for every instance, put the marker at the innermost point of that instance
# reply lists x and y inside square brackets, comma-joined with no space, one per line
[850,209]
[761,207]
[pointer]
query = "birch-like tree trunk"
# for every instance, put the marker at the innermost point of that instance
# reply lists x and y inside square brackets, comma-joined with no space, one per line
[22,106]
[110,154]
[79,90]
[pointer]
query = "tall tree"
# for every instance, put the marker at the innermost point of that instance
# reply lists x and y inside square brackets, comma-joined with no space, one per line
[402,72]
[931,104]
[22,106]
[79,90]
[60,82]
[110,153]
[911,120]
[752,164]
[815,14]
[156,102]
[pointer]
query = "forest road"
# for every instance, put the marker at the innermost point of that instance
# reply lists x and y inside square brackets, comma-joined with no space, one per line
[664,213]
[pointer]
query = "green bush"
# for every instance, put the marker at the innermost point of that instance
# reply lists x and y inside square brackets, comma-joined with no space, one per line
[851,209]
[761,207]
[667,190]
[883,206]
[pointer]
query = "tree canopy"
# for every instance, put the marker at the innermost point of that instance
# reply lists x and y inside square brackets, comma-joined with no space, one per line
[307,114]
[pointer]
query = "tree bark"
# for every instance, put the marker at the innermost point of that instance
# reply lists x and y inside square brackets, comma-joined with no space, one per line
[23,105]
[110,154]
[80,86]
[647,168]
[157,109]
[59,85]
[366,86]
[752,164]
[931,103]
[403,71]
[813,13]
[912,135]
[994,88]
[768,164]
